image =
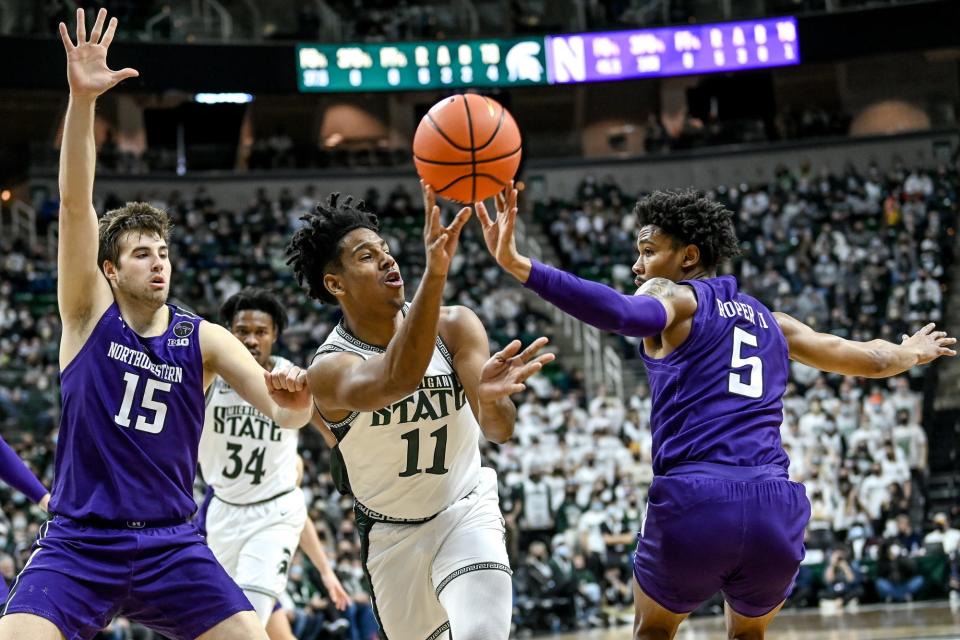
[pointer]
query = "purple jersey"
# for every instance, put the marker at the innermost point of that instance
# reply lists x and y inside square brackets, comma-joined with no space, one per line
[718,397]
[131,422]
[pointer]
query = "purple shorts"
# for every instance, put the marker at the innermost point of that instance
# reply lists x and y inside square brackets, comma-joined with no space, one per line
[79,577]
[711,527]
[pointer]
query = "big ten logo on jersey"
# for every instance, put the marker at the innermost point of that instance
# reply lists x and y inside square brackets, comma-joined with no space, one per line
[435,398]
[245,421]
[181,330]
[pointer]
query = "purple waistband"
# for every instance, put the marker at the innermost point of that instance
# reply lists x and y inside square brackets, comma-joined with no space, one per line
[729,472]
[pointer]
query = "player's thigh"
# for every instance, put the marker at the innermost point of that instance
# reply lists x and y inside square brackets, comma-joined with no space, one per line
[774,524]
[398,559]
[225,530]
[240,626]
[689,540]
[475,542]
[17,626]
[651,620]
[179,588]
[743,627]
[264,559]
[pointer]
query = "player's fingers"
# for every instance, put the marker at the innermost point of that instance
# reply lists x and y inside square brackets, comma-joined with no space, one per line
[947,352]
[927,329]
[546,358]
[500,200]
[98,26]
[268,380]
[108,36]
[532,349]
[517,388]
[65,37]
[512,199]
[81,27]
[482,215]
[291,381]
[945,341]
[508,351]
[439,242]
[432,222]
[526,371]
[125,73]
[429,199]
[904,338]
[457,225]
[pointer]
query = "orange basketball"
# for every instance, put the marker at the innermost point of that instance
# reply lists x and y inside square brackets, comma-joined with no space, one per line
[467,148]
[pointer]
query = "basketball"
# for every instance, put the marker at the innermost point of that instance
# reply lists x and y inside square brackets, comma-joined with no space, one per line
[467,148]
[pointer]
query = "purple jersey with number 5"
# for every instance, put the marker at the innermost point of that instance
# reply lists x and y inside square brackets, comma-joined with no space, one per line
[718,397]
[131,422]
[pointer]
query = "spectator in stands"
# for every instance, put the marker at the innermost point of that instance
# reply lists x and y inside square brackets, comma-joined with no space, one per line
[897,578]
[840,580]
[942,534]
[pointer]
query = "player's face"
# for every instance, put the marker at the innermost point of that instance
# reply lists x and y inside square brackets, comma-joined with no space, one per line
[659,256]
[255,329]
[143,269]
[369,272]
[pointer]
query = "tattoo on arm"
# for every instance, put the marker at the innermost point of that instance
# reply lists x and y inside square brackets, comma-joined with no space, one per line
[658,288]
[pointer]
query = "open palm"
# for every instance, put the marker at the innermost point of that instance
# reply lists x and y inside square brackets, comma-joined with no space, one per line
[504,373]
[87,70]
[498,234]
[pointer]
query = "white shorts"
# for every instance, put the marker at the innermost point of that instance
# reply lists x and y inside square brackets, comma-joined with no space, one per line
[256,544]
[410,564]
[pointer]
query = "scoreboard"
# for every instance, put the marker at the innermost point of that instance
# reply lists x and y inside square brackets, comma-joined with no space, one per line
[555,59]
[405,66]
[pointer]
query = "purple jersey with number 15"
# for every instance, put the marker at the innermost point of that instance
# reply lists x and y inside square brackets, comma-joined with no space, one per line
[132,416]
[718,397]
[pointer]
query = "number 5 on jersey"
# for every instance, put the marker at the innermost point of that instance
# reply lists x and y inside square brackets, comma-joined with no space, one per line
[753,388]
[147,401]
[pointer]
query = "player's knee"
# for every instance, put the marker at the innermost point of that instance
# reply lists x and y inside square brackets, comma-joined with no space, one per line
[482,628]
[652,633]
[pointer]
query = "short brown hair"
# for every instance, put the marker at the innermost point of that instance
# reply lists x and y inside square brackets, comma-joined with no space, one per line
[133,216]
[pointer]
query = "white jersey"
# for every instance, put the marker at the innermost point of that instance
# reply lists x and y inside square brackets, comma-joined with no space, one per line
[415,458]
[244,455]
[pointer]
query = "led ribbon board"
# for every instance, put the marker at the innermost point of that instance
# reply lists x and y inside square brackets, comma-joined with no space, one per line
[561,59]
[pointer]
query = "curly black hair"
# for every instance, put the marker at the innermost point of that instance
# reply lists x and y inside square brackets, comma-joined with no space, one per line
[688,217]
[256,299]
[315,249]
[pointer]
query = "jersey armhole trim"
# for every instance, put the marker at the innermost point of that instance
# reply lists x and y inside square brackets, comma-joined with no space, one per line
[90,339]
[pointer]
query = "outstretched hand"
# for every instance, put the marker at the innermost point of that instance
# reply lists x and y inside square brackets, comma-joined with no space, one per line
[441,242]
[500,234]
[930,344]
[87,70]
[503,374]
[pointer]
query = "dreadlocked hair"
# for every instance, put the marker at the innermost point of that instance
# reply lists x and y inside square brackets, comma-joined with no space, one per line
[691,218]
[314,249]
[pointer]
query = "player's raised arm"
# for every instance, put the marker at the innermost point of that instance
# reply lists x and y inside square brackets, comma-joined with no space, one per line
[280,394]
[81,289]
[344,382]
[490,381]
[658,305]
[873,359]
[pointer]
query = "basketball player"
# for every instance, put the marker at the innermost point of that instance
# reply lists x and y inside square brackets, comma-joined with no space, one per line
[722,514]
[257,513]
[15,473]
[133,374]
[407,390]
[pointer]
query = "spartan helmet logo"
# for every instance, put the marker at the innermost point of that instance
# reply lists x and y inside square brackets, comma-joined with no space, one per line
[284,565]
[523,63]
